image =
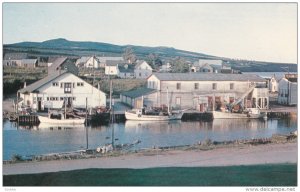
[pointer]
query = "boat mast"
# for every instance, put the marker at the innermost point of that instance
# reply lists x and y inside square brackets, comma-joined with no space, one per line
[86,128]
[168,100]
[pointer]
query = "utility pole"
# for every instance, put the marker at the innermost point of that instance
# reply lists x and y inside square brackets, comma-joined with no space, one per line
[110,94]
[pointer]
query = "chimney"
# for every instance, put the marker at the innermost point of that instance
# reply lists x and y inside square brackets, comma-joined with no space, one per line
[25,84]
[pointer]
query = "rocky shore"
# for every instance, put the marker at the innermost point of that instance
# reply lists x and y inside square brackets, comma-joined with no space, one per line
[121,150]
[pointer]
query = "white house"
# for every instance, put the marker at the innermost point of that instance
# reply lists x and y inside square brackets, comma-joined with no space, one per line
[112,68]
[88,62]
[142,70]
[273,83]
[198,90]
[207,66]
[165,67]
[288,90]
[51,92]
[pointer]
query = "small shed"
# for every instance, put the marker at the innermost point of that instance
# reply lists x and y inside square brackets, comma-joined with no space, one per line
[139,97]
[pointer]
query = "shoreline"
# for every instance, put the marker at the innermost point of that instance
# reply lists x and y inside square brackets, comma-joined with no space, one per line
[226,155]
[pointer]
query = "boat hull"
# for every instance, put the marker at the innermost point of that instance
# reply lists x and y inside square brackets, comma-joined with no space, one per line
[228,115]
[136,117]
[60,122]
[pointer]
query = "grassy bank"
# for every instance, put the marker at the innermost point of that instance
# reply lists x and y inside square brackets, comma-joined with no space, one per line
[254,175]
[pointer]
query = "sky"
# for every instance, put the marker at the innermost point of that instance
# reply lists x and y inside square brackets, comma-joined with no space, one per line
[252,31]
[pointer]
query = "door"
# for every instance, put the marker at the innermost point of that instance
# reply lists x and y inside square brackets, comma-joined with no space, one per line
[39,106]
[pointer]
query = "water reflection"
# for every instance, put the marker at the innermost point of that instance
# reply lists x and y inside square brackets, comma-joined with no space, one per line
[30,140]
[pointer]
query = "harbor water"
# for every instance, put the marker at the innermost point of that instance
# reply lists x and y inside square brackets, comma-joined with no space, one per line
[27,141]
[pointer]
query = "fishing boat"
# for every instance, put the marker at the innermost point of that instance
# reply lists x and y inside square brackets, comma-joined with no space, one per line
[62,121]
[249,113]
[139,115]
[144,115]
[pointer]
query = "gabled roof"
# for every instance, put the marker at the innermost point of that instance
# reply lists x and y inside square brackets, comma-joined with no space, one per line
[207,77]
[56,63]
[140,62]
[15,56]
[34,86]
[83,59]
[138,92]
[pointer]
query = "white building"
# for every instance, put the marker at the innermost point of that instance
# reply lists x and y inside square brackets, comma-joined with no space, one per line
[288,90]
[142,70]
[112,68]
[166,67]
[273,83]
[207,66]
[198,90]
[51,92]
[88,62]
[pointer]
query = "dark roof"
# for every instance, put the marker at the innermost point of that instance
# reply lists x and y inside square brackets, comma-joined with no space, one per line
[32,87]
[138,92]
[56,63]
[207,77]
[15,56]
[114,62]
[128,69]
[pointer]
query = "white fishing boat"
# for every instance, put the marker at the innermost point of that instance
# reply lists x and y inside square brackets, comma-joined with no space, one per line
[61,121]
[137,114]
[249,113]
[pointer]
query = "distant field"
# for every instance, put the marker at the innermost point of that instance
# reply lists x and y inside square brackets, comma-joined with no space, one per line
[254,175]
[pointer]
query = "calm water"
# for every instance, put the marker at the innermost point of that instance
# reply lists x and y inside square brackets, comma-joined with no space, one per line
[40,140]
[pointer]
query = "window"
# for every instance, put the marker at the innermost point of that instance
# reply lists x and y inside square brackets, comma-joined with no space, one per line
[47,98]
[67,88]
[231,86]
[73,85]
[214,86]
[54,84]
[61,85]
[74,98]
[178,86]
[61,98]
[79,84]
[140,74]
[196,85]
